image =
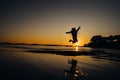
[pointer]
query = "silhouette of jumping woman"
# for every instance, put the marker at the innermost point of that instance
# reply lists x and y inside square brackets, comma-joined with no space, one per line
[74,34]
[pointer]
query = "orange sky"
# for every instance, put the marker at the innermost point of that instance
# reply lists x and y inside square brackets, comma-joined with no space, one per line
[46,22]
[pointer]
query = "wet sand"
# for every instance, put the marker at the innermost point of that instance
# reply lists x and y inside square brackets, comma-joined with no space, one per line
[17,67]
[19,64]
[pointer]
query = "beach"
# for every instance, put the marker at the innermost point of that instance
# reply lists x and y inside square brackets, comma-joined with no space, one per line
[28,62]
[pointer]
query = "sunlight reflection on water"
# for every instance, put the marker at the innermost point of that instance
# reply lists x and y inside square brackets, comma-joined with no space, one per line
[76,48]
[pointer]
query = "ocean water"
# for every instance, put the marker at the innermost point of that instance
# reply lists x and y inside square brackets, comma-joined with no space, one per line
[35,62]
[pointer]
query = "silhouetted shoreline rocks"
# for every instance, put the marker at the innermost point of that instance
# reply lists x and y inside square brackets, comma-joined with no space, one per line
[98,41]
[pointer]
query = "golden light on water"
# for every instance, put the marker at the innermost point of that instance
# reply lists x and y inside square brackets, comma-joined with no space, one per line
[76,48]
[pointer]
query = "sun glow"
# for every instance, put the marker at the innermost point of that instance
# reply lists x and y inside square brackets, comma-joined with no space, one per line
[77,44]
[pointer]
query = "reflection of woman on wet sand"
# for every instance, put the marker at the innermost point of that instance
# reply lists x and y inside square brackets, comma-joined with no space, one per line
[73,73]
[74,34]
[73,63]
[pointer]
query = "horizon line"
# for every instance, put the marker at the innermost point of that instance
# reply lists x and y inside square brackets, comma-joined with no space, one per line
[18,43]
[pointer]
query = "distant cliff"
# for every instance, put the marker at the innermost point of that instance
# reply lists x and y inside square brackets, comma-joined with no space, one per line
[104,42]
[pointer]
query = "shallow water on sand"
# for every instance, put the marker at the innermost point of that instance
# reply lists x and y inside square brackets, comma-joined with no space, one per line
[17,62]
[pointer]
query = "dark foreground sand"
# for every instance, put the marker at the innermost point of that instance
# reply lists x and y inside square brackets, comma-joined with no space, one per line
[17,64]
[18,69]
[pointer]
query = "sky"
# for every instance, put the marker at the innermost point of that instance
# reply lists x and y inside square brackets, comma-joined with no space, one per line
[46,21]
